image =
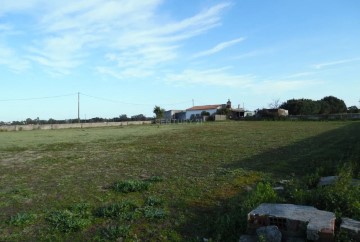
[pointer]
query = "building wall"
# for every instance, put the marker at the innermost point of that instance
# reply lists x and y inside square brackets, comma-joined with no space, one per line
[198,112]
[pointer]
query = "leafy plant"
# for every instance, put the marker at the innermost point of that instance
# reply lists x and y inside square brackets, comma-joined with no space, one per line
[153,212]
[21,219]
[114,232]
[67,221]
[130,186]
[153,201]
[72,219]
[125,210]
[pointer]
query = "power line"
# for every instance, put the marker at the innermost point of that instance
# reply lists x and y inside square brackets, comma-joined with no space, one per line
[36,98]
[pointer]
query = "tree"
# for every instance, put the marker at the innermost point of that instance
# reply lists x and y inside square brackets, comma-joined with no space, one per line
[353,109]
[159,112]
[333,105]
[274,104]
[138,117]
[205,113]
[301,106]
[123,117]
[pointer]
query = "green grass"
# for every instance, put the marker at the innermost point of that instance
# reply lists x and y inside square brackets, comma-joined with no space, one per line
[184,181]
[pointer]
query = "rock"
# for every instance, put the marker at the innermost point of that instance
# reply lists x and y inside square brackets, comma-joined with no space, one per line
[329,180]
[269,233]
[294,221]
[325,181]
[351,228]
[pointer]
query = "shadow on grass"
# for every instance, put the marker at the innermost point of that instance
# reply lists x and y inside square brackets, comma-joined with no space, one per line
[324,153]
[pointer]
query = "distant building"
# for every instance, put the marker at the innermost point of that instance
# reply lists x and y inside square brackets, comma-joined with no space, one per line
[175,114]
[195,112]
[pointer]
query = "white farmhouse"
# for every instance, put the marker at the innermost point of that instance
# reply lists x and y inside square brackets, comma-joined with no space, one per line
[195,112]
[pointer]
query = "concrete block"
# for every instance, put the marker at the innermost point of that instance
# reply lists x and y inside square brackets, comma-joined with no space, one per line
[294,221]
[351,227]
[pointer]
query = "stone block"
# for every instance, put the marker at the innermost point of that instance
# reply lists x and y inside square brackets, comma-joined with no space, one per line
[351,227]
[294,221]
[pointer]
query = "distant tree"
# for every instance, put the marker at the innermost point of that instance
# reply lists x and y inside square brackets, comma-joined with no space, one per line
[123,117]
[29,121]
[51,121]
[333,105]
[301,106]
[205,113]
[353,109]
[138,117]
[159,112]
[275,103]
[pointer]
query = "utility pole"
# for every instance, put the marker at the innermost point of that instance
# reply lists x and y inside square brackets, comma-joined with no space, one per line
[78,107]
[193,102]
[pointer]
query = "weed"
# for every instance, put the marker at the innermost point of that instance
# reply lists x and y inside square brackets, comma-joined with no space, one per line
[130,186]
[72,219]
[113,232]
[153,201]
[21,219]
[124,210]
[67,221]
[153,213]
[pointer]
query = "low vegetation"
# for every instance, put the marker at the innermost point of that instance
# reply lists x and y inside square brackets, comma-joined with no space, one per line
[169,183]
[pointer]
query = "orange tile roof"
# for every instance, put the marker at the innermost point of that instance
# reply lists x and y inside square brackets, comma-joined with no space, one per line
[205,107]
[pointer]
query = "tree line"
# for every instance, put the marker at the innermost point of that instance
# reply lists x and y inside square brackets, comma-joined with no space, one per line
[327,105]
[121,118]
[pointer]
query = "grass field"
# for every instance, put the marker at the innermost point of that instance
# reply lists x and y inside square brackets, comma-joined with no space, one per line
[149,183]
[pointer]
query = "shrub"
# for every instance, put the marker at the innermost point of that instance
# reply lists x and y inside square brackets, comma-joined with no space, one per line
[124,210]
[130,186]
[21,219]
[153,213]
[114,232]
[153,201]
[231,221]
[67,221]
[72,219]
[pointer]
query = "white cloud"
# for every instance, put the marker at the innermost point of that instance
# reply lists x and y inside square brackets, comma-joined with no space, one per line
[300,74]
[333,63]
[12,60]
[130,35]
[282,86]
[218,48]
[212,77]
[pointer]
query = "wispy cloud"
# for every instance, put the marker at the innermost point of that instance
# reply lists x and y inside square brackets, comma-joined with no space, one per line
[334,63]
[129,35]
[300,74]
[12,60]
[219,47]
[209,77]
[280,87]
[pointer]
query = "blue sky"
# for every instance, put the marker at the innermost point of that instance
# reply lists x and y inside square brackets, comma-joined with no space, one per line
[127,56]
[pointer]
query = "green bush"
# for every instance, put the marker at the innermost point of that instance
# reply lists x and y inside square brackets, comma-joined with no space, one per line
[124,210]
[72,219]
[21,219]
[67,221]
[113,233]
[153,201]
[232,220]
[153,213]
[130,186]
